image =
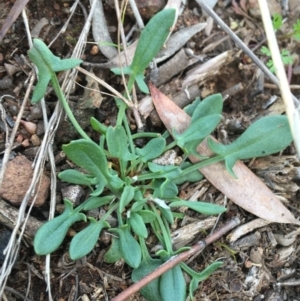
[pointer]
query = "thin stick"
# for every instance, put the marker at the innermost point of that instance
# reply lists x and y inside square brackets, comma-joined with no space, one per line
[105,85]
[243,46]
[291,111]
[175,260]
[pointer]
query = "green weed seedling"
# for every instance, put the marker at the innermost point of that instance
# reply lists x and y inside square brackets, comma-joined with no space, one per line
[286,57]
[123,178]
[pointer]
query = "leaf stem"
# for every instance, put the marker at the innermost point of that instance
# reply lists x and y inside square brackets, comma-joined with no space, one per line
[63,101]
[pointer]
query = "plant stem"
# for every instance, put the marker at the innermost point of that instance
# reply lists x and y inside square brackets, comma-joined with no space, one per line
[63,101]
[145,135]
[150,176]
[165,233]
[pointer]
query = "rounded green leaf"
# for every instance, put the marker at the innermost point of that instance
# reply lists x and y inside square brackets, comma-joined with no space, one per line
[114,253]
[172,285]
[75,177]
[153,149]
[150,291]
[51,235]
[130,249]
[138,225]
[89,156]
[211,105]
[84,241]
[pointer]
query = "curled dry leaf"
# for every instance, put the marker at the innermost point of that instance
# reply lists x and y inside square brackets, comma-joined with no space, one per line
[247,191]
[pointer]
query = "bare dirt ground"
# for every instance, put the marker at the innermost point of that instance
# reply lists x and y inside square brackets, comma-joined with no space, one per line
[262,264]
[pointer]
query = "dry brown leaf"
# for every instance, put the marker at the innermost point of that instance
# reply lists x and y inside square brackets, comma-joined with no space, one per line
[248,191]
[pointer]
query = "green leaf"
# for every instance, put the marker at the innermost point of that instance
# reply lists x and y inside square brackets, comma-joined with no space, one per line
[89,156]
[139,78]
[126,197]
[148,264]
[152,39]
[84,241]
[75,177]
[98,126]
[47,65]
[211,105]
[164,188]
[296,30]
[147,215]
[165,210]
[153,149]
[201,207]
[286,57]
[161,171]
[138,225]
[198,130]
[266,136]
[172,285]
[117,143]
[194,176]
[129,247]
[190,109]
[114,253]
[119,71]
[277,21]
[150,43]
[198,277]
[51,235]
[94,202]
[265,50]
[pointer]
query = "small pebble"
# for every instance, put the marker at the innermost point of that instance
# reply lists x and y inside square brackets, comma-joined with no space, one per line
[20,138]
[25,143]
[94,50]
[35,140]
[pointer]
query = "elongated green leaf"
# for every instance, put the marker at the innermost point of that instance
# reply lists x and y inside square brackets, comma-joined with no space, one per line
[96,202]
[266,136]
[114,253]
[198,130]
[117,143]
[126,197]
[153,149]
[172,285]
[51,235]
[152,39]
[89,156]
[202,207]
[47,65]
[150,42]
[137,206]
[211,105]
[130,249]
[138,225]
[98,126]
[147,215]
[75,177]
[84,241]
